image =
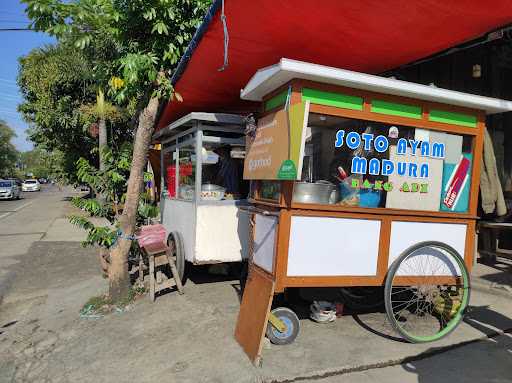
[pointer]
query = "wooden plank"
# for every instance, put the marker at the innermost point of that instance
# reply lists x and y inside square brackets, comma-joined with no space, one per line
[253,315]
[379,210]
[155,248]
[477,149]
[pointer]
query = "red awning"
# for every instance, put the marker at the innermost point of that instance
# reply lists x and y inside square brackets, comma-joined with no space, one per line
[369,36]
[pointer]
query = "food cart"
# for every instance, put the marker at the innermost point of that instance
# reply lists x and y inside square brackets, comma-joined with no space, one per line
[361,180]
[203,218]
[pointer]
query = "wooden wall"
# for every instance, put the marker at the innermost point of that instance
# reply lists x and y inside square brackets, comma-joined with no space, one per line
[455,71]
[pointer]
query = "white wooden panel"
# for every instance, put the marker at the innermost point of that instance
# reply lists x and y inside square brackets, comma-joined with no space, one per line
[406,234]
[264,241]
[429,261]
[222,233]
[180,216]
[325,246]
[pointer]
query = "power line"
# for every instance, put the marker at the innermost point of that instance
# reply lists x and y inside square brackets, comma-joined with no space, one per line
[16,29]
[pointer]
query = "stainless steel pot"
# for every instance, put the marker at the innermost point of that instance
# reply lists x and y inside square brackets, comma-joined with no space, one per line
[318,192]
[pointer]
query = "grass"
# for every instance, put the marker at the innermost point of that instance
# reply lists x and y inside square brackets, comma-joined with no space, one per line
[102,304]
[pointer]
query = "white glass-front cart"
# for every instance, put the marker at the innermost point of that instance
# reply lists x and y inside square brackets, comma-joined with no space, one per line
[200,204]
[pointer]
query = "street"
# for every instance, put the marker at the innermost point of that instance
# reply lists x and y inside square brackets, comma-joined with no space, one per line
[47,276]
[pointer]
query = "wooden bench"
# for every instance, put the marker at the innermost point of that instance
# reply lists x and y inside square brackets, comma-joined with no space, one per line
[488,233]
[159,255]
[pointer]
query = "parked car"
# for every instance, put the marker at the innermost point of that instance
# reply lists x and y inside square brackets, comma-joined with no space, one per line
[31,185]
[9,189]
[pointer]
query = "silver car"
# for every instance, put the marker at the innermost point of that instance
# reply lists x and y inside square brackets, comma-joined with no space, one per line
[9,189]
[31,185]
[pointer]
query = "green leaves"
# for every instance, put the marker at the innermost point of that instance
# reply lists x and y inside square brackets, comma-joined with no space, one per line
[83,41]
[160,27]
[96,235]
[112,184]
[8,153]
[149,36]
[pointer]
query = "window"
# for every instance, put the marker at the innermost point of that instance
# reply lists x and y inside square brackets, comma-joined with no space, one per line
[369,164]
[187,172]
[222,165]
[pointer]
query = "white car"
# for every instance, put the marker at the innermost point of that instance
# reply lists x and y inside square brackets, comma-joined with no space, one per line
[9,189]
[30,185]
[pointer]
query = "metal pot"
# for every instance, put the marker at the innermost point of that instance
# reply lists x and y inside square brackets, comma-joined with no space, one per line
[318,192]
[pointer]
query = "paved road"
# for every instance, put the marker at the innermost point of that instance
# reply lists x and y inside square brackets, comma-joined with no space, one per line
[8,207]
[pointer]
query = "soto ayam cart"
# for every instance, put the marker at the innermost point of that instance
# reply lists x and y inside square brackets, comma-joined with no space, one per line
[361,180]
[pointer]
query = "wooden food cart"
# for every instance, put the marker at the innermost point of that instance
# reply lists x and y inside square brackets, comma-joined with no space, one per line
[203,219]
[361,180]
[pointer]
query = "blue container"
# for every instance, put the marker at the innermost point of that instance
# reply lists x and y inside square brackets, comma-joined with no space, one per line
[346,191]
[369,198]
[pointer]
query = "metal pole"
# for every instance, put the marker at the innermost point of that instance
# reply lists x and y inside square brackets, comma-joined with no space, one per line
[199,161]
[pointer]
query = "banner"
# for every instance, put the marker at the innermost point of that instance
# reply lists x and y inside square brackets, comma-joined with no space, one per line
[275,149]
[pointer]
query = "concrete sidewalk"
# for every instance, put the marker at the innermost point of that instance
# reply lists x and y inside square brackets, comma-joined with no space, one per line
[189,338]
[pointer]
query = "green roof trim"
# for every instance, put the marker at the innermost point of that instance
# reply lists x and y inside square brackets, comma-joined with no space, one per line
[396,109]
[338,100]
[276,101]
[452,118]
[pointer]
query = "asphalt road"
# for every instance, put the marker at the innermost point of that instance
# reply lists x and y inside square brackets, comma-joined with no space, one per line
[9,207]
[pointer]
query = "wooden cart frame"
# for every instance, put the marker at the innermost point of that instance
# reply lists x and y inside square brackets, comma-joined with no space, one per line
[274,277]
[286,208]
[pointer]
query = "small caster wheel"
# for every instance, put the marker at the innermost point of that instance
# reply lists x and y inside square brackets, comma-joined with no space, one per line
[292,327]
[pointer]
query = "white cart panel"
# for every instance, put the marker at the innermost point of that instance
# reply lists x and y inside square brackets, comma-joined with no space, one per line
[324,246]
[264,242]
[406,234]
[222,233]
[180,216]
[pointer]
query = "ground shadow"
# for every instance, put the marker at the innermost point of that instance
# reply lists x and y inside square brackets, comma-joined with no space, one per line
[380,332]
[504,274]
[486,360]
[224,272]
[487,321]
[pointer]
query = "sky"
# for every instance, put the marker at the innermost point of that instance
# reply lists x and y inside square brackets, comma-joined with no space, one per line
[13,45]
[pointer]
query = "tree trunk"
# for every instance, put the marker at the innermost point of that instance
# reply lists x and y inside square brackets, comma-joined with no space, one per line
[118,270]
[102,138]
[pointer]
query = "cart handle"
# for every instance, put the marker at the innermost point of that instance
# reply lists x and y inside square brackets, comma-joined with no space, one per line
[252,209]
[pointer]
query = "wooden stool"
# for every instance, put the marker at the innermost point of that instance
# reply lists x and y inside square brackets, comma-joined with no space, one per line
[159,254]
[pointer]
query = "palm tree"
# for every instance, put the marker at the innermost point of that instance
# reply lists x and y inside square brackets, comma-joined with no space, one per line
[102,111]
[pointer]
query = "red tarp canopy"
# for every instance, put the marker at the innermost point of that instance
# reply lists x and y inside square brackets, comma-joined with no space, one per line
[369,36]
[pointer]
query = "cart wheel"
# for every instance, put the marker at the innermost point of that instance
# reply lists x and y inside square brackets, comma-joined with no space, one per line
[290,319]
[175,242]
[429,307]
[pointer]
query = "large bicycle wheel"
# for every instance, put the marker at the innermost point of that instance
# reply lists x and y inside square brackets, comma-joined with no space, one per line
[427,292]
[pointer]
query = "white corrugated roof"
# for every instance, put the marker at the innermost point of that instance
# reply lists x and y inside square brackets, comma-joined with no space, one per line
[270,78]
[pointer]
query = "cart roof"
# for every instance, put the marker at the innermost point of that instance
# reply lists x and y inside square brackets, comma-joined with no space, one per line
[269,78]
[233,121]
[370,36]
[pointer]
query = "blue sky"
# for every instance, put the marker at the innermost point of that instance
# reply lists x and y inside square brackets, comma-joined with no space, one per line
[12,46]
